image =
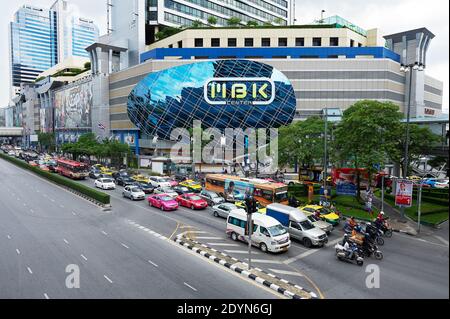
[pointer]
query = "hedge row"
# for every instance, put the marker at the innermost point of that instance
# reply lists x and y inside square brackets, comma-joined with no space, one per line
[436,193]
[427,199]
[60,180]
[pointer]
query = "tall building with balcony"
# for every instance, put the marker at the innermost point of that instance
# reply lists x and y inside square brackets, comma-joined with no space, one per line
[136,24]
[40,38]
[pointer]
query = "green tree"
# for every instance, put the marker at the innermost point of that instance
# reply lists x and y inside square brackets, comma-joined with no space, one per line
[301,142]
[421,142]
[233,22]
[196,24]
[278,21]
[212,20]
[367,135]
[46,141]
[252,23]
[87,65]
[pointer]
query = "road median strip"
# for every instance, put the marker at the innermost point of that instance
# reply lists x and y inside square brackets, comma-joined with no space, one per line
[276,283]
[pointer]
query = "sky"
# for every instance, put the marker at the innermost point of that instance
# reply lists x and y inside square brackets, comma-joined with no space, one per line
[387,15]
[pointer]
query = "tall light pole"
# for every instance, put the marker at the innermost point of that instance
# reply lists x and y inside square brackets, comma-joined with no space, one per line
[416,66]
[325,162]
[419,197]
[223,143]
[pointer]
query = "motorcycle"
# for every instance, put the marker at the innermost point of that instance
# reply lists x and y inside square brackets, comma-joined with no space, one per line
[370,249]
[342,255]
[374,234]
[385,228]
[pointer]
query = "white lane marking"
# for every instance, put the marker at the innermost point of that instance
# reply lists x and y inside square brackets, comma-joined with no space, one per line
[285,272]
[104,233]
[310,252]
[151,262]
[441,239]
[82,256]
[65,240]
[223,244]
[124,245]
[74,214]
[240,251]
[199,237]
[265,261]
[197,231]
[18,252]
[52,200]
[106,277]
[62,206]
[186,284]
[9,237]
[18,198]
[46,296]
[24,204]
[29,270]
[31,211]
[38,191]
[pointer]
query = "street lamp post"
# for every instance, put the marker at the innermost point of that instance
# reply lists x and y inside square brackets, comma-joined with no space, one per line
[416,66]
[325,164]
[223,142]
[419,197]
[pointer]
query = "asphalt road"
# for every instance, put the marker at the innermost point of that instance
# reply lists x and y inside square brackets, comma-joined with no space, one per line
[412,267]
[45,229]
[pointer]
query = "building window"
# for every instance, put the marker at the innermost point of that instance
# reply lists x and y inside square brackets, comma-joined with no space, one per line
[359,45]
[352,43]
[282,42]
[215,42]
[265,42]
[152,15]
[317,42]
[198,42]
[180,44]
[248,42]
[334,42]
[232,42]
[299,42]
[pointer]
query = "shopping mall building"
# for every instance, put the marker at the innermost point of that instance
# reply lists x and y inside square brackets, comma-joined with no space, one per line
[301,70]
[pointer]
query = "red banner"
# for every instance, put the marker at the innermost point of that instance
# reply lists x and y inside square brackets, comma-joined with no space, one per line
[403,193]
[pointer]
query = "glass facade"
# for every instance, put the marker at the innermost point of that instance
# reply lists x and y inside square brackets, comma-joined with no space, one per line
[84,33]
[33,44]
[255,10]
[221,94]
[34,41]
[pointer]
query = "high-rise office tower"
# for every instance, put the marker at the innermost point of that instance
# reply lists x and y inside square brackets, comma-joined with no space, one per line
[40,38]
[133,24]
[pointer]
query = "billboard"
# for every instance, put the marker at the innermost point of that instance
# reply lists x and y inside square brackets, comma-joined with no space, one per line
[403,193]
[221,94]
[73,107]
[236,190]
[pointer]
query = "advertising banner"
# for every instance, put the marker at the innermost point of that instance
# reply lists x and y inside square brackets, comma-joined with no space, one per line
[236,190]
[345,181]
[403,193]
[73,107]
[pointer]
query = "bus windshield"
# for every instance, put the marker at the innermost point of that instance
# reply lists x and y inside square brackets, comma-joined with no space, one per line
[280,197]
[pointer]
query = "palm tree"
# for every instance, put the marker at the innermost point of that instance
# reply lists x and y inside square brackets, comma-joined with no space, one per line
[252,23]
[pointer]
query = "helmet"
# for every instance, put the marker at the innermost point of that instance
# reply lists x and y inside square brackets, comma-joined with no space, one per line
[368,224]
[382,213]
[352,217]
[358,228]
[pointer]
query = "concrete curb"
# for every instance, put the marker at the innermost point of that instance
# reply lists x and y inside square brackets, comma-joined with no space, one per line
[104,207]
[244,272]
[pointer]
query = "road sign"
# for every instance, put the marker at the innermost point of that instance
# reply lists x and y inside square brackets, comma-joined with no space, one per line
[403,193]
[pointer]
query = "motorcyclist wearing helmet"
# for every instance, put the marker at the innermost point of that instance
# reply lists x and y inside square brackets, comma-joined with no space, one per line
[380,221]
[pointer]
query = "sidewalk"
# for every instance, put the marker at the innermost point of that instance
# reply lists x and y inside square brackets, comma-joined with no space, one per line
[407,227]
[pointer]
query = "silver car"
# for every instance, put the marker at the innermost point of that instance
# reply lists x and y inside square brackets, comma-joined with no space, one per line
[211,197]
[222,210]
[133,193]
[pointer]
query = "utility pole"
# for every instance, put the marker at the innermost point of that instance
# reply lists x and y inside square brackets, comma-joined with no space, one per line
[325,164]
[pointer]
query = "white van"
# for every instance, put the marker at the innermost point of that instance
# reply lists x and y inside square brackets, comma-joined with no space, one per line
[268,234]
